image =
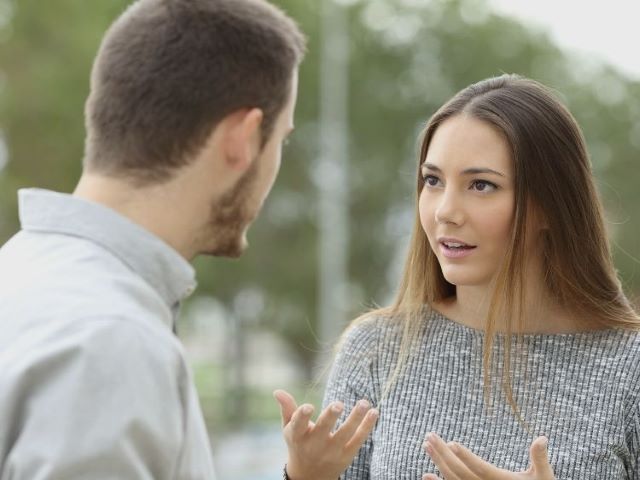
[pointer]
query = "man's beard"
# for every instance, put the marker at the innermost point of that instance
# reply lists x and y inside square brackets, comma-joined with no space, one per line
[231,215]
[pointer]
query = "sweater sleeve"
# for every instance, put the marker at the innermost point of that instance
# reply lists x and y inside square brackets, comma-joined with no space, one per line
[352,378]
[633,441]
[632,430]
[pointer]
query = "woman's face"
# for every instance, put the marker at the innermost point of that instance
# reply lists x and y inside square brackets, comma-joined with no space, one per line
[468,200]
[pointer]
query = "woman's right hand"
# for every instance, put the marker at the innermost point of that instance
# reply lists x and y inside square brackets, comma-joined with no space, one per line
[315,453]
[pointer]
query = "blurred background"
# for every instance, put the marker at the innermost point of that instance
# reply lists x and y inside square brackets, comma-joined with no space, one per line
[331,240]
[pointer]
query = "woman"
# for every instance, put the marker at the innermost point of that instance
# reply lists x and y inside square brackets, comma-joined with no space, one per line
[510,350]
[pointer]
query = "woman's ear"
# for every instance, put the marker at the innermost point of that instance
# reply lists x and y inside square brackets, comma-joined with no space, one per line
[538,218]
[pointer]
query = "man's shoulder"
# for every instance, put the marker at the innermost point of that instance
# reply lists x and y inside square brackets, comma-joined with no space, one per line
[100,340]
[67,280]
[71,259]
[98,385]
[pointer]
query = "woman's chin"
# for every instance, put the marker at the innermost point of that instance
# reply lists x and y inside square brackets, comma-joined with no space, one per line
[463,279]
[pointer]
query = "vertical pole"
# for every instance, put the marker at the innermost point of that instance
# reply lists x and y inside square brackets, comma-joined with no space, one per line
[332,175]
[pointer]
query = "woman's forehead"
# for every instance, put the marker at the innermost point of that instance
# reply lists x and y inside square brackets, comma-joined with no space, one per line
[464,142]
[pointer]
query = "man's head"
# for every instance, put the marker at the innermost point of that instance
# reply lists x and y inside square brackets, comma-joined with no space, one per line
[231,213]
[170,72]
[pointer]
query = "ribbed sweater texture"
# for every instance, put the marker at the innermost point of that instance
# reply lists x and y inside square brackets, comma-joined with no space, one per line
[581,390]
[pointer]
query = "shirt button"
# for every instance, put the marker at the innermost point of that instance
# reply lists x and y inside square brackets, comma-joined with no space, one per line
[189,291]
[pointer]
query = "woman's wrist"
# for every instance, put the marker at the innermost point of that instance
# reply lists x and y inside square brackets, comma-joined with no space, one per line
[290,472]
[285,474]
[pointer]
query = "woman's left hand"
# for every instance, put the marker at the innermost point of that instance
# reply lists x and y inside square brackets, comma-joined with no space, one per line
[456,462]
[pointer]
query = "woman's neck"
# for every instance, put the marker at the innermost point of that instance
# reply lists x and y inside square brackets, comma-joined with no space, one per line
[542,315]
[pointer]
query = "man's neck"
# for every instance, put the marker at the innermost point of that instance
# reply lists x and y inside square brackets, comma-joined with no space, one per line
[155,208]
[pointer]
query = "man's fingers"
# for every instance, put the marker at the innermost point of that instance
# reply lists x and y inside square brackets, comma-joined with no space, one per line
[300,421]
[328,418]
[540,458]
[287,405]
[351,424]
[362,432]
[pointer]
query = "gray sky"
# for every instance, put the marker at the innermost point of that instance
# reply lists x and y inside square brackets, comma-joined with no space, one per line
[607,29]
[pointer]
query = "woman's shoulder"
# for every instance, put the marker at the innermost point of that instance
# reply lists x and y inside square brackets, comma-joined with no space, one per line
[621,344]
[365,332]
[627,345]
[379,327]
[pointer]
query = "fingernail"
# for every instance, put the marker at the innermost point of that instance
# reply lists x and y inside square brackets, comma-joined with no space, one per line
[363,405]
[429,448]
[337,407]
[373,413]
[545,442]
[307,409]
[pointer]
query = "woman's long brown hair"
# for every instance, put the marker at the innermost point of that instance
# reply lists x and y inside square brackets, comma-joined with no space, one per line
[552,174]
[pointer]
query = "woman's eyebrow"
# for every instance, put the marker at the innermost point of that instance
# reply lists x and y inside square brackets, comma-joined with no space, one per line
[468,171]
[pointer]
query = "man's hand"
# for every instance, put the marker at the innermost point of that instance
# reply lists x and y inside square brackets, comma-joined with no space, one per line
[456,462]
[315,453]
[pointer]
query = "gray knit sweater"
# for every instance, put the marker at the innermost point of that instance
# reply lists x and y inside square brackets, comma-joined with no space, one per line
[582,390]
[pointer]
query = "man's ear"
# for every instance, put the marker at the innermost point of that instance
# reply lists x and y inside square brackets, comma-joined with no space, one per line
[243,138]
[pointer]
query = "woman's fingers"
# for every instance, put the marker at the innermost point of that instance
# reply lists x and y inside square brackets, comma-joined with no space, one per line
[287,405]
[451,467]
[362,432]
[328,418]
[345,442]
[477,465]
[300,424]
[353,421]
[456,462]
[540,458]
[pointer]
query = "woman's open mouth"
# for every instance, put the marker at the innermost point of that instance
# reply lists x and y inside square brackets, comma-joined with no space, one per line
[456,249]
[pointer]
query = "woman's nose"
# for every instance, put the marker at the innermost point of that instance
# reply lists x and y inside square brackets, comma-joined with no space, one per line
[449,209]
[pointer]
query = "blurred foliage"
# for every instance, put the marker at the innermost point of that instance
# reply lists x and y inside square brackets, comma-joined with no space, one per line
[257,404]
[408,57]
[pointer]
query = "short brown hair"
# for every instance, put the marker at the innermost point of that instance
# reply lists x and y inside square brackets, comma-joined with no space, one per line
[169,70]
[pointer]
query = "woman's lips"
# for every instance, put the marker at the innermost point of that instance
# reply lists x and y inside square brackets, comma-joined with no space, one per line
[456,252]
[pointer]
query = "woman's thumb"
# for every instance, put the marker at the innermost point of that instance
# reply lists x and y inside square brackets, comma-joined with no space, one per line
[287,405]
[540,458]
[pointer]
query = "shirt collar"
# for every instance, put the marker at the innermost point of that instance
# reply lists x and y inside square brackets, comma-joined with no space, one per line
[170,274]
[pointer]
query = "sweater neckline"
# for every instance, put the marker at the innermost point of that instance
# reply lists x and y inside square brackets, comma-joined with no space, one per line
[476,332]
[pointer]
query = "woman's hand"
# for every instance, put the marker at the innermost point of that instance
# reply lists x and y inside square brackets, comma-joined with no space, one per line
[456,462]
[315,453]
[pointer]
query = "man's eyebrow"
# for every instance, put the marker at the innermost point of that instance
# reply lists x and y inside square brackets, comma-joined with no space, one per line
[468,171]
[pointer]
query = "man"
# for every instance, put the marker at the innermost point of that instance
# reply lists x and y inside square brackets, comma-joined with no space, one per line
[190,103]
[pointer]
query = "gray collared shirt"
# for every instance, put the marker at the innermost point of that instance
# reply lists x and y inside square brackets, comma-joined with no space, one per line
[93,383]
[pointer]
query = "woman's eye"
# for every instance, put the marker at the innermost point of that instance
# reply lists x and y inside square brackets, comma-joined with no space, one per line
[430,180]
[483,186]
